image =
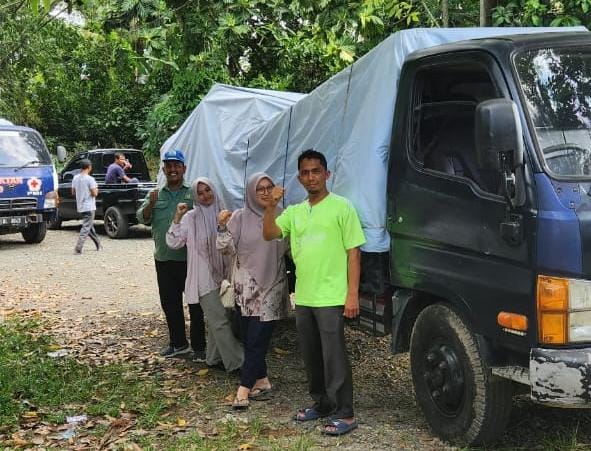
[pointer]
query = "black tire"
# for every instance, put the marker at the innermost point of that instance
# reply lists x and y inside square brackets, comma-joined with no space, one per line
[35,232]
[462,401]
[116,223]
[55,223]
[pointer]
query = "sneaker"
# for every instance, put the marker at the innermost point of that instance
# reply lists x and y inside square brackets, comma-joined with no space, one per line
[171,351]
[199,356]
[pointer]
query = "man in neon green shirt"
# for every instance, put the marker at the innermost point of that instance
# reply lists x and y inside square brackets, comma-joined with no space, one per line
[325,235]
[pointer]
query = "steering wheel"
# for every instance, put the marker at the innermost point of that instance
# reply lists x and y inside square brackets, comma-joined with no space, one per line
[568,159]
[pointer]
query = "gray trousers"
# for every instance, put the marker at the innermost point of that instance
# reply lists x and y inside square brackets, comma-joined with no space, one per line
[87,230]
[321,333]
[222,345]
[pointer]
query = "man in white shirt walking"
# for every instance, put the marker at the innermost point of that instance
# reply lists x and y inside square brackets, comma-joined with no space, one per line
[85,189]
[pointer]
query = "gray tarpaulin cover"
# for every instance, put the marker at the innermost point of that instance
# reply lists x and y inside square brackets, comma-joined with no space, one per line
[234,132]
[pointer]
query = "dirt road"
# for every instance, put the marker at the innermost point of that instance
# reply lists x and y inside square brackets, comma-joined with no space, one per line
[112,294]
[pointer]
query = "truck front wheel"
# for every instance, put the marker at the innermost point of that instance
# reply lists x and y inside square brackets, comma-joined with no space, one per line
[460,398]
[35,232]
[116,223]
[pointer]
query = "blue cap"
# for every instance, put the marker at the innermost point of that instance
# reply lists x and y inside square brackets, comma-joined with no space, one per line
[174,155]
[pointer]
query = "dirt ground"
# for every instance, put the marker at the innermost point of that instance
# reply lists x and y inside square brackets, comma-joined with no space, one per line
[108,301]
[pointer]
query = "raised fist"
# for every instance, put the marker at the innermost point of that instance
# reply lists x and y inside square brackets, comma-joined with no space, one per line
[276,195]
[153,196]
[223,217]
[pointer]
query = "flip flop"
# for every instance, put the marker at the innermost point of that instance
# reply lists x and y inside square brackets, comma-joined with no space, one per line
[240,404]
[260,393]
[341,427]
[308,414]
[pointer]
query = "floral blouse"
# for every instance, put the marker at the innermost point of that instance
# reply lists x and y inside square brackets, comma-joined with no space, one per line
[269,304]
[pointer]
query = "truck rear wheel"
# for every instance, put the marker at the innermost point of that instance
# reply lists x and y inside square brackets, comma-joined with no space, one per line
[460,398]
[35,232]
[116,223]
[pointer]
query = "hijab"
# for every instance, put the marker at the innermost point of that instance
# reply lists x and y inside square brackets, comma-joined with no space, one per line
[261,258]
[205,218]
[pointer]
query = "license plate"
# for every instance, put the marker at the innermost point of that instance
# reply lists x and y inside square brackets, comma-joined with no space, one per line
[13,220]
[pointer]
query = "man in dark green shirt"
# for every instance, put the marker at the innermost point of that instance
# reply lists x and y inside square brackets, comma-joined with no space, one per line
[158,209]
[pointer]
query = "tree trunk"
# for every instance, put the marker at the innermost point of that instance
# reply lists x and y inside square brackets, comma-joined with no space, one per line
[444,13]
[485,12]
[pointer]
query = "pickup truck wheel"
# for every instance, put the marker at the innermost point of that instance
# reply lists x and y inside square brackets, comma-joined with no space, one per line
[55,223]
[460,398]
[35,232]
[116,223]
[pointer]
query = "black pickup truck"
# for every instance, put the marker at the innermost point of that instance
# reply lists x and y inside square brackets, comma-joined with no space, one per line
[116,203]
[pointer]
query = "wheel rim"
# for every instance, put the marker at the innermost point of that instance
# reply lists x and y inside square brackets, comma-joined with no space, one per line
[111,224]
[444,378]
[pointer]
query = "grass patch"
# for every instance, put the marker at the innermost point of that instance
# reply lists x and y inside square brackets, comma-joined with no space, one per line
[233,435]
[62,386]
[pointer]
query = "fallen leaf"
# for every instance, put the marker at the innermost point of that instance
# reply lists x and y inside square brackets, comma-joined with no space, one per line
[181,422]
[202,372]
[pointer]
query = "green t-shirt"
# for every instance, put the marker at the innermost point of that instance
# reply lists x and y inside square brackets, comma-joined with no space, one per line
[320,237]
[162,215]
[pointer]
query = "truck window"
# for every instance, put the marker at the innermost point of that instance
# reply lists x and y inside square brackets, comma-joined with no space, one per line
[73,168]
[22,147]
[444,104]
[556,84]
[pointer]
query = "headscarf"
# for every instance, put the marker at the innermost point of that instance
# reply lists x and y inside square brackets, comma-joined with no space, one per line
[206,227]
[259,257]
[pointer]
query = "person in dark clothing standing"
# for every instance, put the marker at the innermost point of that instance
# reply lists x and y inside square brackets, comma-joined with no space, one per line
[158,209]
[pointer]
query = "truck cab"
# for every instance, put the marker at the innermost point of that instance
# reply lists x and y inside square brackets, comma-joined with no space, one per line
[489,216]
[28,183]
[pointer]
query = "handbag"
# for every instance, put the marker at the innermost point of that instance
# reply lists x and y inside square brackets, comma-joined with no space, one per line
[227,287]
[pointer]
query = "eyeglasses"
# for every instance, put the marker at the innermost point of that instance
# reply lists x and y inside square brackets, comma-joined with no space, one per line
[264,189]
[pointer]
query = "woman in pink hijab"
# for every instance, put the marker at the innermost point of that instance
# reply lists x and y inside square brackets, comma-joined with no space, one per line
[260,284]
[197,229]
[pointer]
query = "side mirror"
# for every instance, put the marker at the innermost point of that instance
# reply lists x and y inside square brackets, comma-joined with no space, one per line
[498,134]
[61,154]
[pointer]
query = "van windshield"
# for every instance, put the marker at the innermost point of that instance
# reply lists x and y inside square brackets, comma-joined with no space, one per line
[22,148]
[556,85]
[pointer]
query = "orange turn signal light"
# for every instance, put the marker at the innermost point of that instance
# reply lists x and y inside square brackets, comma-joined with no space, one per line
[552,309]
[513,321]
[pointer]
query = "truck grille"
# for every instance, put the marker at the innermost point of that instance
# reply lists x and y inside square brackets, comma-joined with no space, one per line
[19,203]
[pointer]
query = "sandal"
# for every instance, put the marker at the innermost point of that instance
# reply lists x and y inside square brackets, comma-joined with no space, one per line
[240,403]
[341,427]
[260,393]
[308,414]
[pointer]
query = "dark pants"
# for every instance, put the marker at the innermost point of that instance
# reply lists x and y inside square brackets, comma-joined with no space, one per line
[87,230]
[256,336]
[322,340]
[171,277]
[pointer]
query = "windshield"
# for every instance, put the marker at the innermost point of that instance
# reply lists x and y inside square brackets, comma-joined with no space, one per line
[556,84]
[22,147]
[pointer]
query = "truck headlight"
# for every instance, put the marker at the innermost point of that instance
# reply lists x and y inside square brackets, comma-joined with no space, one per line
[51,200]
[564,310]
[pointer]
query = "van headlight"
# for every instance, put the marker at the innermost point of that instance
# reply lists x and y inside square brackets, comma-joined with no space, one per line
[564,310]
[51,200]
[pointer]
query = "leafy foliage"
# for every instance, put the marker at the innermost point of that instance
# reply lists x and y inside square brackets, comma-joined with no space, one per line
[134,69]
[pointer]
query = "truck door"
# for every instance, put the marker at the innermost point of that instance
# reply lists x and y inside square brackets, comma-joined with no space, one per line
[444,212]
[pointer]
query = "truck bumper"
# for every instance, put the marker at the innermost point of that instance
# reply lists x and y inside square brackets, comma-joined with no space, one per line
[561,377]
[20,221]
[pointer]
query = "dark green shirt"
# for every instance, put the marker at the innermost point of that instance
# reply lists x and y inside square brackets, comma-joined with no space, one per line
[162,215]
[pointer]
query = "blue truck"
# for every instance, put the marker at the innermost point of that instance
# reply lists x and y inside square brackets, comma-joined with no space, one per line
[28,182]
